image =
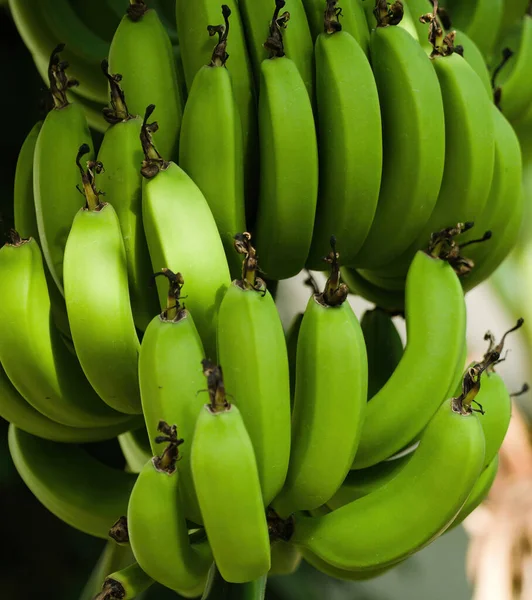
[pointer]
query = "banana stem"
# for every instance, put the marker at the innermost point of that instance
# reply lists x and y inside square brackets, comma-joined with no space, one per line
[335,293]
[219,55]
[153,162]
[388,14]
[215,387]
[274,42]
[88,179]
[58,79]
[118,111]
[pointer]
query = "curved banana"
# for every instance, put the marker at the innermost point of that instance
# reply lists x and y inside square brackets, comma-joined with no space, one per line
[434,300]
[55,174]
[193,18]
[170,377]
[390,524]
[474,57]
[34,356]
[125,584]
[182,235]
[14,409]
[227,483]
[289,162]
[219,589]
[97,299]
[417,9]
[298,42]
[252,351]
[384,347]
[157,527]
[285,558]
[391,300]
[413,141]
[136,449]
[331,364]
[121,182]
[342,574]
[211,118]
[142,53]
[74,486]
[350,171]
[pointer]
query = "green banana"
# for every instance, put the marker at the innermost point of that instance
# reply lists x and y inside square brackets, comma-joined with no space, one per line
[74,486]
[434,299]
[513,11]
[182,234]
[350,171]
[211,115]
[193,18]
[342,574]
[389,524]
[289,161]
[384,348]
[16,410]
[474,57]
[298,42]
[331,360]
[97,298]
[234,515]
[417,9]
[121,182]
[142,53]
[125,584]
[285,558]
[55,174]
[170,376]
[157,527]
[219,589]
[353,20]
[390,300]
[32,352]
[413,141]
[113,557]
[252,351]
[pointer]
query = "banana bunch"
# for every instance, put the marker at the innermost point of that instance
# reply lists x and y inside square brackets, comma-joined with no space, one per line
[361,138]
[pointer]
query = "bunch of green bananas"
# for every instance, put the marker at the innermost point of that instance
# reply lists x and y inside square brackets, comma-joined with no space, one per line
[319,127]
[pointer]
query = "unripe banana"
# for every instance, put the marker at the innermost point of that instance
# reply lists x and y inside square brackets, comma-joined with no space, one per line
[170,377]
[285,558]
[157,527]
[433,299]
[289,162]
[341,574]
[252,350]
[350,169]
[136,448]
[74,486]
[32,352]
[16,410]
[413,141]
[142,53]
[219,589]
[113,557]
[384,348]
[292,336]
[228,487]
[298,41]
[121,182]
[97,299]
[211,116]
[182,235]
[391,300]
[55,174]
[474,57]
[125,584]
[390,524]
[331,396]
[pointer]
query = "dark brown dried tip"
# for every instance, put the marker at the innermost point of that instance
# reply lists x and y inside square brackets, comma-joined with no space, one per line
[58,80]
[388,14]
[175,308]
[166,463]
[279,529]
[118,111]
[332,17]
[136,10]
[219,55]
[507,53]
[250,264]
[442,44]
[111,590]
[14,238]
[274,42]
[119,531]
[496,349]
[471,387]
[153,162]
[522,391]
[88,179]
[335,293]
[215,386]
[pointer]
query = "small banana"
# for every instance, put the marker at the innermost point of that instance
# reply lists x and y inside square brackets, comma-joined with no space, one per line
[211,116]
[121,182]
[14,409]
[125,584]
[157,527]
[182,235]
[298,41]
[227,483]
[170,376]
[142,53]
[384,348]
[289,161]
[32,352]
[285,558]
[97,298]
[350,170]
[77,488]
[390,524]
[113,557]
[55,174]
[413,141]
[434,298]
[330,396]
[252,350]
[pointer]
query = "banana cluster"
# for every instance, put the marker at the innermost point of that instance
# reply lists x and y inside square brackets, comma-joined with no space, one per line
[360,138]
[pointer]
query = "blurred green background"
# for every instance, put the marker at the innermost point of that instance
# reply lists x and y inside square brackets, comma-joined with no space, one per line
[45,558]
